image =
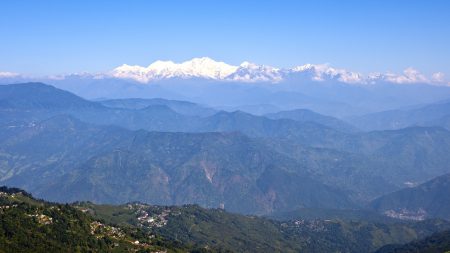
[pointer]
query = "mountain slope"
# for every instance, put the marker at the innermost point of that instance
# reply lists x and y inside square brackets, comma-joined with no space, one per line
[412,154]
[436,243]
[429,199]
[376,160]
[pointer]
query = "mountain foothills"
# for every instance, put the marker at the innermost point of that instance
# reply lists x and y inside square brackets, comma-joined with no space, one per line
[325,183]
[242,162]
[212,169]
[30,225]
[137,227]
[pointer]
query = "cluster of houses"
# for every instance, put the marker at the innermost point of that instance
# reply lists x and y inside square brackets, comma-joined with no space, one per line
[100,229]
[150,219]
[42,218]
[4,207]
[310,225]
[405,214]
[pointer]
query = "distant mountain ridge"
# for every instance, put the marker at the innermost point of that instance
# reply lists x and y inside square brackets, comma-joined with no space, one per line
[305,115]
[182,107]
[247,72]
[436,114]
[318,87]
[40,96]
[158,115]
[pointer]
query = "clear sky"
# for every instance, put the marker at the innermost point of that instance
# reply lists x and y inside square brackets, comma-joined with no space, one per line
[56,37]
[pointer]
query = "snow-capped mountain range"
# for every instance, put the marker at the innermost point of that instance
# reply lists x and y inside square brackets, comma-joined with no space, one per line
[207,68]
[249,72]
[199,68]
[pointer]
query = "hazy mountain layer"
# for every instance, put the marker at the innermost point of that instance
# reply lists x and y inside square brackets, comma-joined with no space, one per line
[106,164]
[255,165]
[430,115]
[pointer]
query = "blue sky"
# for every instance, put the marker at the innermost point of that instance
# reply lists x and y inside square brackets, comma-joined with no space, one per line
[55,37]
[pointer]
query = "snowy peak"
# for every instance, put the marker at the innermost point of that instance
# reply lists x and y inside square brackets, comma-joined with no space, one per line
[8,74]
[198,67]
[207,67]
[321,72]
[250,72]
